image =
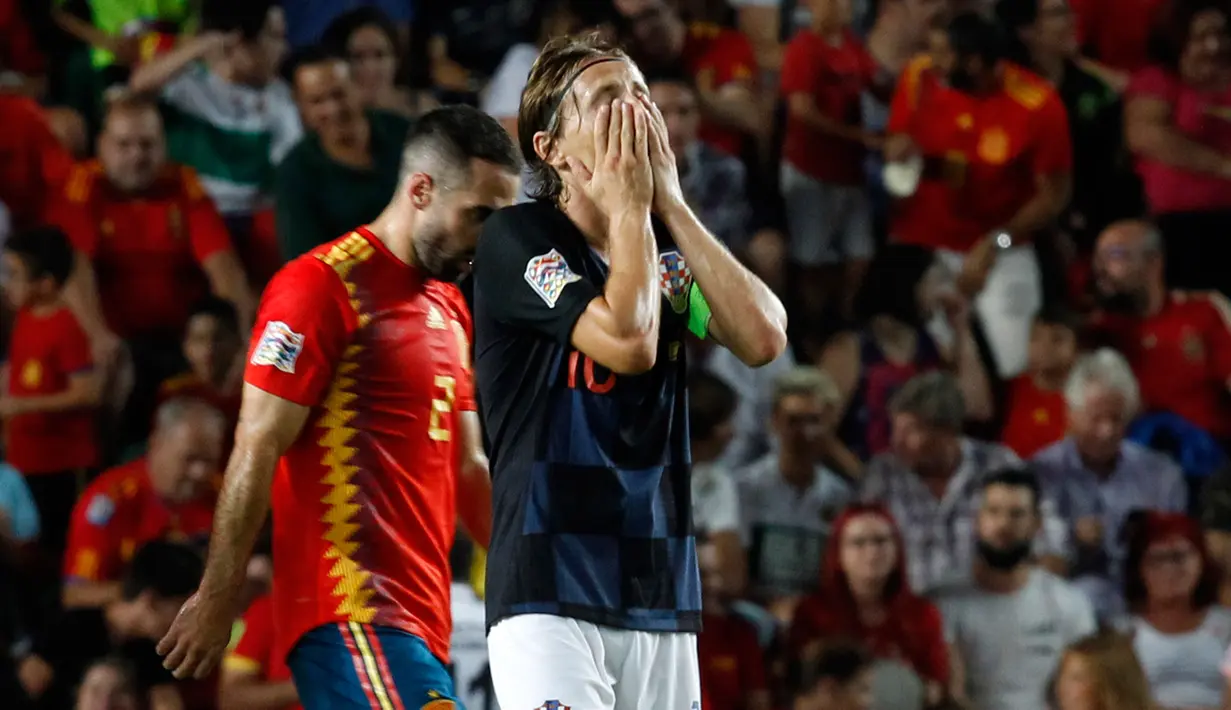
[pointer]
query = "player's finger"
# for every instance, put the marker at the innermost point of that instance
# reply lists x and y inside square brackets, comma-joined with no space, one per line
[176,657]
[188,667]
[628,131]
[601,124]
[616,128]
[641,130]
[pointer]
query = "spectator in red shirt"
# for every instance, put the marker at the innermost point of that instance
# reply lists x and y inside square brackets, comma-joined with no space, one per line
[825,71]
[253,676]
[865,595]
[168,494]
[1117,32]
[728,651]
[1036,412]
[214,349]
[51,386]
[1178,342]
[20,58]
[1176,123]
[720,60]
[837,677]
[993,143]
[33,164]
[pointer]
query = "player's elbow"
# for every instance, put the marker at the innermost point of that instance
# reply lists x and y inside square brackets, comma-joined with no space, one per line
[634,356]
[765,347]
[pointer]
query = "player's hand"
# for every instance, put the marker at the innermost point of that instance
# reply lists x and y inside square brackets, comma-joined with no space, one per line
[197,638]
[667,190]
[621,179]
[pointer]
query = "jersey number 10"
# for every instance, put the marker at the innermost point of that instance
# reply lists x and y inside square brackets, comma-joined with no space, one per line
[441,407]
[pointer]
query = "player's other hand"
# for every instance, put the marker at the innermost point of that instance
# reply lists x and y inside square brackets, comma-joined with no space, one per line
[197,638]
[622,179]
[667,191]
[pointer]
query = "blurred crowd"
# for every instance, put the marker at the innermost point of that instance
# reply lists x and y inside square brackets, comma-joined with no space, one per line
[990,472]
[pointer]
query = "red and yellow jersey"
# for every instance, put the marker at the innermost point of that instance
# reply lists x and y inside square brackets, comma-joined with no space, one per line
[363,501]
[252,646]
[717,56]
[118,513]
[1036,418]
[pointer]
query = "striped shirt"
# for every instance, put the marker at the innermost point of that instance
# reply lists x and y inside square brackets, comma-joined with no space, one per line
[233,135]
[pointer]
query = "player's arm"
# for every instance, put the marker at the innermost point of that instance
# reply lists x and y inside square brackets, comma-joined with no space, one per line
[474,482]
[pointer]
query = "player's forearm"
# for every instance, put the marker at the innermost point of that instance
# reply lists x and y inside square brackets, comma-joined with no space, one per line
[747,313]
[257,695]
[474,484]
[632,291]
[242,509]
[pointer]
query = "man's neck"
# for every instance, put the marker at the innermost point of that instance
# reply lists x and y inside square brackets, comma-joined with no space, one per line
[1050,66]
[396,231]
[1103,468]
[586,216]
[1002,581]
[796,469]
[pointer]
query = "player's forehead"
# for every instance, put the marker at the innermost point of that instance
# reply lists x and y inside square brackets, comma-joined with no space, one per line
[607,80]
[488,184]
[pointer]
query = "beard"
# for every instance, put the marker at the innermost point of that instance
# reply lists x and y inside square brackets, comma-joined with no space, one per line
[1003,559]
[432,251]
[1121,301]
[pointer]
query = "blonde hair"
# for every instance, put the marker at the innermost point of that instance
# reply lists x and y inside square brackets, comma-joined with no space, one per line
[1119,681]
[809,382]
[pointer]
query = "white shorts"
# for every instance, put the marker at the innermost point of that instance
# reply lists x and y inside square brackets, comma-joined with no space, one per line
[829,224]
[538,658]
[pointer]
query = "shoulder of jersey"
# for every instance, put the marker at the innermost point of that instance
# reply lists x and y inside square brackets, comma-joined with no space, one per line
[1026,88]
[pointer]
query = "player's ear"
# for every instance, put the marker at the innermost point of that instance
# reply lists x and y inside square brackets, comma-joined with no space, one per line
[545,147]
[419,187]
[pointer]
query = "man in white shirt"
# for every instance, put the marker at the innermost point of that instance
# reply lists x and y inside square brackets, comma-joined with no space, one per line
[1009,625]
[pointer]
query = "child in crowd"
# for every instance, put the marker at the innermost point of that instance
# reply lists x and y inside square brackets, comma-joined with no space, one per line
[1036,412]
[52,388]
[213,347]
[837,677]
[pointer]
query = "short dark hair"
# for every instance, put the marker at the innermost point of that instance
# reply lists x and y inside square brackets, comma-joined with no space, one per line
[219,309]
[44,251]
[166,569]
[1059,315]
[336,36]
[972,35]
[455,135]
[248,17]
[1020,476]
[307,56]
[891,285]
[710,403]
[1172,24]
[839,660]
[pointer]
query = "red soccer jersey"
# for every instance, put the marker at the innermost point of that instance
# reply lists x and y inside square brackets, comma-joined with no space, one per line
[732,666]
[147,249]
[45,351]
[363,501]
[1037,418]
[252,649]
[33,164]
[983,153]
[835,77]
[118,513]
[1181,356]
[717,56]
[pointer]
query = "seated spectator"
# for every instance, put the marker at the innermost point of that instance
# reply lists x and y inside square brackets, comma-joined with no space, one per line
[993,141]
[33,164]
[253,676]
[789,499]
[168,494]
[1184,159]
[159,579]
[754,394]
[1097,477]
[343,173]
[720,61]
[713,182]
[228,115]
[214,350]
[1010,624]
[903,291]
[368,39]
[1036,411]
[931,480]
[1179,343]
[1116,33]
[864,595]
[51,389]
[1101,672]
[837,677]
[109,684]
[715,503]
[1180,632]
[729,655]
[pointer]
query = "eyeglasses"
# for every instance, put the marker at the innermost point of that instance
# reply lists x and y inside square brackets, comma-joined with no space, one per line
[1161,558]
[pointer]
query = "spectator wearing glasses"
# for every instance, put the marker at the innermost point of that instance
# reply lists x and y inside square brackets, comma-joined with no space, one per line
[368,39]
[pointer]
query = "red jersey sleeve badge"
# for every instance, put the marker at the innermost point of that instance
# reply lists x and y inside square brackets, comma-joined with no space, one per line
[279,346]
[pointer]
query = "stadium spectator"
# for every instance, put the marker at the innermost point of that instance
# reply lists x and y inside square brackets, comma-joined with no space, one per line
[1009,625]
[1097,478]
[992,141]
[20,522]
[837,677]
[343,173]
[213,347]
[715,501]
[22,64]
[51,389]
[789,498]
[307,22]
[932,478]
[1036,414]
[1179,343]
[253,676]
[1180,632]
[109,684]
[754,393]
[368,39]
[168,494]
[1101,672]
[904,290]
[465,40]
[864,595]
[33,163]
[733,671]
[1183,157]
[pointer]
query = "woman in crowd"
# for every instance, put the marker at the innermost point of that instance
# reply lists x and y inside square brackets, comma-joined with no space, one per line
[1101,672]
[864,595]
[903,289]
[1180,633]
[369,41]
[1176,123]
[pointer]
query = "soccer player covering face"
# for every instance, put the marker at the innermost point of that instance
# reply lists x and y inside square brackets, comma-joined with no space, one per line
[358,413]
[583,300]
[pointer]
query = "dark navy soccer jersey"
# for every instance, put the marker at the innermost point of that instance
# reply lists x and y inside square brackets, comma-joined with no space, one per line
[590,470]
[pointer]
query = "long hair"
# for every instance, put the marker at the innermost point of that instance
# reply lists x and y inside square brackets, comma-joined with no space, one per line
[1144,528]
[1172,24]
[1119,681]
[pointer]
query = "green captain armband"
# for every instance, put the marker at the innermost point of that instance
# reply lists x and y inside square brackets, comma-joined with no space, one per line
[698,312]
